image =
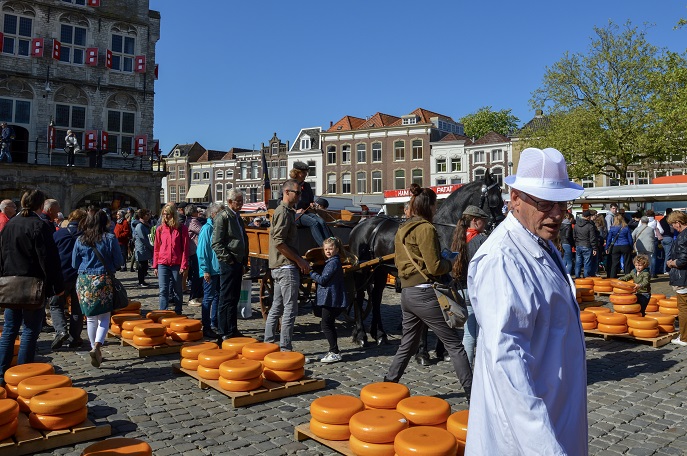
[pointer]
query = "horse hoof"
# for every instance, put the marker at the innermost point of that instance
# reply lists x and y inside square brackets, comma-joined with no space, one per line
[382,340]
[360,343]
[422,360]
[446,357]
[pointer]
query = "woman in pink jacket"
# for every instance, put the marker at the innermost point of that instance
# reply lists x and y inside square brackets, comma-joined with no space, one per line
[170,257]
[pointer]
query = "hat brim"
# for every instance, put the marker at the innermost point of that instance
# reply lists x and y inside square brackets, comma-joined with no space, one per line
[569,192]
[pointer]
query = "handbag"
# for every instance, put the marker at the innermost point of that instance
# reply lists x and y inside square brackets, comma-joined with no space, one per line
[20,292]
[609,250]
[119,297]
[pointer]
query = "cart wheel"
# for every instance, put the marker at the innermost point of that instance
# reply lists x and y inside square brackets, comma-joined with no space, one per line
[266,294]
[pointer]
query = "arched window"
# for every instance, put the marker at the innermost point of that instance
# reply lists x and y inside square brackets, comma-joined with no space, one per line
[123,47]
[346,183]
[399,150]
[361,182]
[479,174]
[377,182]
[121,122]
[219,193]
[417,149]
[399,179]
[70,114]
[417,177]
[73,34]
[497,172]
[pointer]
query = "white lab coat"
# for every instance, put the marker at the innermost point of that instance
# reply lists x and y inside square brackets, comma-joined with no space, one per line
[529,392]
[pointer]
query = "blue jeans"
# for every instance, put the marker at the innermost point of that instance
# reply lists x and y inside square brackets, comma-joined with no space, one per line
[33,323]
[567,261]
[170,286]
[285,302]
[667,243]
[319,229]
[470,332]
[583,255]
[5,152]
[210,302]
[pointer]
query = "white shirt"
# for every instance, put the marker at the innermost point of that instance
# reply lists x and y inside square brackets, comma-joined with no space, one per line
[529,393]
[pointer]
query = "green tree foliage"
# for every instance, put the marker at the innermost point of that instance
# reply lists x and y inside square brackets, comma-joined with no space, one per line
[484,120]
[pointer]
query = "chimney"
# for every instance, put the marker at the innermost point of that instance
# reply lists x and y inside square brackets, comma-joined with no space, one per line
[331,124]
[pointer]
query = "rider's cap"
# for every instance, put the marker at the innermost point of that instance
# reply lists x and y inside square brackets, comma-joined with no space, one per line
[301,166]
[475,212]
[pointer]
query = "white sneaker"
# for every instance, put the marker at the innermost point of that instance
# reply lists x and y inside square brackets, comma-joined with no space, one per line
[335,357]
[677,341]
[195,303]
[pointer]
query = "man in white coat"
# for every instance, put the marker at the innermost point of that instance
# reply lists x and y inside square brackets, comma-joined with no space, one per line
[529,392]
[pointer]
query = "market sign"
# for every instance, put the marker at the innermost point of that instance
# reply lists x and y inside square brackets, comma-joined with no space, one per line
[440,190]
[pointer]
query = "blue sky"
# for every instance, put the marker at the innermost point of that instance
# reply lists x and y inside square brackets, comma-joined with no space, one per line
[233,77]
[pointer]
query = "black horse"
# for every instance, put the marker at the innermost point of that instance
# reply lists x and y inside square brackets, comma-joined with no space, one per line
[374,238]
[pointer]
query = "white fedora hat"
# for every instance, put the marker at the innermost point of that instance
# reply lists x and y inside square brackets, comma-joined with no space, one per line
[544,174]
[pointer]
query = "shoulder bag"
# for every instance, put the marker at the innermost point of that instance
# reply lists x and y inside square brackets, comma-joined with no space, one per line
[609,250]
[634,246]
[119,297]
[20,292]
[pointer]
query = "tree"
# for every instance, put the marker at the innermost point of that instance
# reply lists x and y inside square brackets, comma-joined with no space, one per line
[608,108]
[485,120]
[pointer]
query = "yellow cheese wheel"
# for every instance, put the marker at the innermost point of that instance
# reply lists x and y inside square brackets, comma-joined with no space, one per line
[149,329]
[238,386]
[589,325]
[666,328]
[383,395]
[667,310]
[146,341]
[240,369]
[167,321]
[121,318]
[258,350]
[587,317]
[622,285]
[16,374]
[207,373]
[3,393]
[603,288]
[653,301]
[611,329]
[214,357]
[58,401]
[29,387]
[612,319]
[129,325]
[601,281]
[623,299]
[127,334]
[276,375]
[9,410]
[457,424]
[186,336]
[57,422]
[645,333]
[284,361]
[651,308]
[330,431]
[440,425]
[671,303]
[156,315]
[115,329]
[425,441]
[635,314]
[658,296]
[661,318]
[642,323]
[597,310]
[627,308]
[621,291]
[424,410]
[191,350]
[587,298]
[187,325]
[118,446]
[237,343]
[582,282]
[23,404]
[11,391]
[190,364]
[586,291]
[336,408]
[360,448]
[377,426]
[9,429]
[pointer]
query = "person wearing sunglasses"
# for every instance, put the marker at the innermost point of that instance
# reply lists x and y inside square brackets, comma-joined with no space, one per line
[306,208]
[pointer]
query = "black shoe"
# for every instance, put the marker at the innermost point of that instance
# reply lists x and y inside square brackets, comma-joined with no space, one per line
[383,340]
[77,343]
[132,270]
[445,356]
[59,339]
[422,360]
[210,334]
[143,285]
[236,334]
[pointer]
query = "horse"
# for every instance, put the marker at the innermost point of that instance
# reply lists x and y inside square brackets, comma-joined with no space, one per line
[374,238]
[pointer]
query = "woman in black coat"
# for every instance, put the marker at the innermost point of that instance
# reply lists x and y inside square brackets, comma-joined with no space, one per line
[677,263]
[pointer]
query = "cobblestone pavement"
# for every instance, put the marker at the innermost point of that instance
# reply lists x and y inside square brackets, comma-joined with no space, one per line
[636,392]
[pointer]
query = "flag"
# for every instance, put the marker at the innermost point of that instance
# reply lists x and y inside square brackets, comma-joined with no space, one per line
[267,192]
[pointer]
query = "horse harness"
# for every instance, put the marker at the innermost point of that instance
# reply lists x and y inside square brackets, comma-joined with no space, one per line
[482,199]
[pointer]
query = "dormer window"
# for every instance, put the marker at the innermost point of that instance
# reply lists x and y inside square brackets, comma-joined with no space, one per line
[409,120]
[177,153]
[305,142]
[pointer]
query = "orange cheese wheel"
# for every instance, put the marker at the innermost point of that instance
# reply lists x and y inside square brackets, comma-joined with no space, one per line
[627,308]
[424,410]
[191,350]
[237,343]
[127,334]
[601,281]
[17,344]
[621,291]
[672,303]
[9,429]
[377,426]
[425,441]
[190,364]
[58,401]
[276,375]
[589,325]
[258,350]
[457,424]
[133,305]
[587,317]
[149,329]
[623,298]
[586,291]
[597,310]
[187,325]
[611,329]
[360,448]
[658,296]
[667,310]
[580,281]
[129,325]
[29,387]
[9,410]
[651,308]
[23,404]
[636,314]
[156,315]
[121,318]
[12,391]
[578,299]
[16,374]
[238,386]
[661,318]
[330,431]
[57,422]
[622,285]
[3,393]
[666,328]
[214,357]
[642,323]
[653,301]
[645,333]
[186,336]
[240,369]
[284,361]
[146,341]
[587,298]
[612,319]
[115,329]
[603,288]
[335,409]
[207,373]
[383,395]
[167,321]
[118,446]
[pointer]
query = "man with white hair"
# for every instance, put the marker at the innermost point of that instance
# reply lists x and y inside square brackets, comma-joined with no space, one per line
[50,210]
[529,391]
[7,210]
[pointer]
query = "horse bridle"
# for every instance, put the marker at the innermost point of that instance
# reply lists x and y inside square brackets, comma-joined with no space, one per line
[482,199]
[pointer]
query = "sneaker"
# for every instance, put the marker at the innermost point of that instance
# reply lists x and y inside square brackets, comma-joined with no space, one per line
[195,303]
[60,338]
[96,357]
[335,357]
[143,285]
[677,341]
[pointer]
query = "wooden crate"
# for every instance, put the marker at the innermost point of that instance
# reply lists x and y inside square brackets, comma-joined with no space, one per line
[269,391]
[171,346]
[28,440]
[302,432]
[655,342]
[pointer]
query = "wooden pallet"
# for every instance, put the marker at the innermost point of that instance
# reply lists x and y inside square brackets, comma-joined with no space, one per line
[269,391]
[171,346]
[302,432]
[603,293]
[28,440]
[655,342]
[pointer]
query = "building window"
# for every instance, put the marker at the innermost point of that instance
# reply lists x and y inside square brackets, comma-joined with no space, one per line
[496,155]
[123,53]
[312,168]
[69,117]
[73,41]
[275,190]
[331,184]
[173,172]
[282,169]
[642,177]
[274,169]
[17,32]
[120,126]
[441,165]
[376,182]
[377,152]
[219,174]
[15,111]
[219,193]
[313,187]
[229,174]
[588,182]
[399,150]
[206,175]
[346,154]
[275,148]
[441,181]
[244,170]
[417,177]
[182,173]
[361,182]
[409,120]
[399,179]
[497,173]
[331,155]
[479,174]
[478,156]
[253,194]
[612,179]
[254,169]
[182,193]
[162,196]
[456,166]
[346,183]
[195,176]
[417,149]
[456,180]
[305,143]
[173,194]
[361,152]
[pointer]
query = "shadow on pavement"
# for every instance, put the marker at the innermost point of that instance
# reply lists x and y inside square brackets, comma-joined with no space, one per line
[621,364]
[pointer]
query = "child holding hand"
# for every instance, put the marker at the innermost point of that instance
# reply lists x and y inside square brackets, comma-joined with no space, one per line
[641,277]
[331,295]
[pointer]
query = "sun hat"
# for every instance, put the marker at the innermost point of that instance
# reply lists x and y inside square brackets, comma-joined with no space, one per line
[475,212]
[544,174]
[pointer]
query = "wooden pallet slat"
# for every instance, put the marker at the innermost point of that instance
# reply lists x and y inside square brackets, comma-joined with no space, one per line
[302,432]
[656,342]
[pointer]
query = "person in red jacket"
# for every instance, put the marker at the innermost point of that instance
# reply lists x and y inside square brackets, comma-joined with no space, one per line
[170,257]
[122,232]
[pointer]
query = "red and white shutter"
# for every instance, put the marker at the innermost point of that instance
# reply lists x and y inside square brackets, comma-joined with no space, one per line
[56,49]
[95,3]
[51,137]
[156,147]
[103,140]
[91,140]
[157,68]
[108,59]
[92,56]
[140,144]
[37,45]
[140,65]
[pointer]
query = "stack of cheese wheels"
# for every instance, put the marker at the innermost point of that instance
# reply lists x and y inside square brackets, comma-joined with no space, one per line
[149,334]
[132,307]
[239,375]
[9,412]
[373,431]
[167,322]
[383,395]
[602,285]
[588,320]
[14,375]
[611,323]
[31,386]
[237,344]
[117,320]
[186,330]
[642,327]
[597,310]
[457,424]
[586,294]
[425,440]
[584,287]
[258,350]
[652,306]
[58,408]
[668,306]
[118,446]
[156,315]
[210,360]
[658,296]
[190,352]
[666,323]
[331,414]
[624,299]
[284,366]
[129,325]
[425,410]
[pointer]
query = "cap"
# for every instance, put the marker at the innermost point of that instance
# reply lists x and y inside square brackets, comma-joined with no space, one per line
[475,212]
[301,166]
